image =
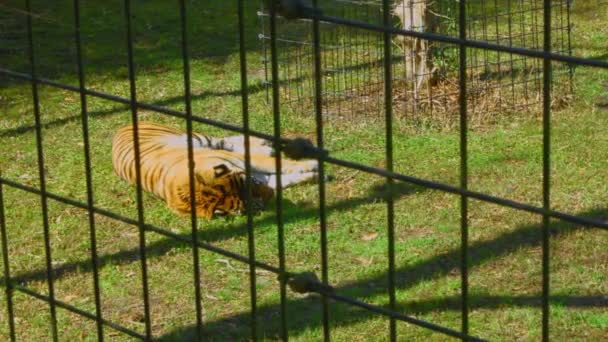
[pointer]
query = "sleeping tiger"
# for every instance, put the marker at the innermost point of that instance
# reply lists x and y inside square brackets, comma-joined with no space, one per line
[219,169]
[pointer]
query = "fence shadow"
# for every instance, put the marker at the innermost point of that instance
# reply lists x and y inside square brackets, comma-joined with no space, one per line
[212,28]
[252,88]
[406,277]
[13,132]
[291,212]
[303,313]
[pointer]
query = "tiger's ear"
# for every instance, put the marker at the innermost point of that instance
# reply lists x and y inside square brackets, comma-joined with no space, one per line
[220,170]
[208,176]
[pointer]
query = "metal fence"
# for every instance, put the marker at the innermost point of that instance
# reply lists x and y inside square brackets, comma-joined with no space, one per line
[302,282]
[352,59]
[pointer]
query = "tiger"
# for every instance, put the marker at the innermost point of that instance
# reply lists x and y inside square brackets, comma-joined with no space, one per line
[219,169]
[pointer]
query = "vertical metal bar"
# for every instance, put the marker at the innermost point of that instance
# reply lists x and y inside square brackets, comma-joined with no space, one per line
[413,62]
[484,33]
[498,62]
[511,70]
[196,272]
[333,60]
[320,144]
[561,27]
[298,75]
[350,85]
[248,182]
[390,205]
[464,215]
[8,285]
[547,73]
[286,60]
[87,168]
[473,56]
[535,44]
[43,196]
[522,27]
[261,15]
[569,37]
[139,195]
[279,190]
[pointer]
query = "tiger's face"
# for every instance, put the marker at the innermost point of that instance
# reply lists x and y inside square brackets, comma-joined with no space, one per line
[223,193]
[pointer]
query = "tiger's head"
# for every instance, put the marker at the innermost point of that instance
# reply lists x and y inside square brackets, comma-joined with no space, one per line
[222,191]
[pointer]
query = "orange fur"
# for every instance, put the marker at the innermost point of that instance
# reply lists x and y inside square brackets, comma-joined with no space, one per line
[164,171]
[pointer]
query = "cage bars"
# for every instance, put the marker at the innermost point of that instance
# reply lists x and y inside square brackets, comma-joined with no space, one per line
[41,176]
[276,116]
[556,214]
[248,182]
[8,283]
[318,86]
[196,271]
[390,204]
[487,69]
[546,220]
[87,168]
[464,175]
[136,152]
[546,54]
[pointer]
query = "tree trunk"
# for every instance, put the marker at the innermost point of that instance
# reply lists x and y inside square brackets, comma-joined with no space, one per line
[414,15]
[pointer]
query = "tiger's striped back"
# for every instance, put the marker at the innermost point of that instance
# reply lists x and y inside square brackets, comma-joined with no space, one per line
[164,170]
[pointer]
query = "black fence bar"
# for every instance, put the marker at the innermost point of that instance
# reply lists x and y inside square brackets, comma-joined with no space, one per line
[390,204]
[546,220]
[8,286]
[135,223]
[472,43]
[569,33]
[248,182]
[328,293]
[464,174]
[586,222]
[434,37]
[322,196]
[136,151]
[87,167]
[279,192]
[334,296]
[41,175]
[404,318]
[196,270]
[141,105]
[281,273]
[322,288]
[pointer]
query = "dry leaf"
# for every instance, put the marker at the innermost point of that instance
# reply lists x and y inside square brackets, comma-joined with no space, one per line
[364,261]
[370,236]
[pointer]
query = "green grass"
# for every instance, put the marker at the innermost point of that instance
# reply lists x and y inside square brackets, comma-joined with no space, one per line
[504,160]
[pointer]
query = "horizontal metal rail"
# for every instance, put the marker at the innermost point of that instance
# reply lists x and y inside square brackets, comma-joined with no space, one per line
[282,144]
[588,222]
[319,288]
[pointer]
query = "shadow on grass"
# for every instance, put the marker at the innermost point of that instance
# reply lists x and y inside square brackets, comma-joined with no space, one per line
[156,32]
[291,213]
[304,313]
[13,132]
[251,89]
[302,310]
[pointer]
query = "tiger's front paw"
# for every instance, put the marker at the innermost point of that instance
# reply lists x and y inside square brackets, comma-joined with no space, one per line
[256,145]
[303,166]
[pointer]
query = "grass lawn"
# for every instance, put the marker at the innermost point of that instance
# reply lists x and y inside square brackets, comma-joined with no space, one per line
[504,160]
